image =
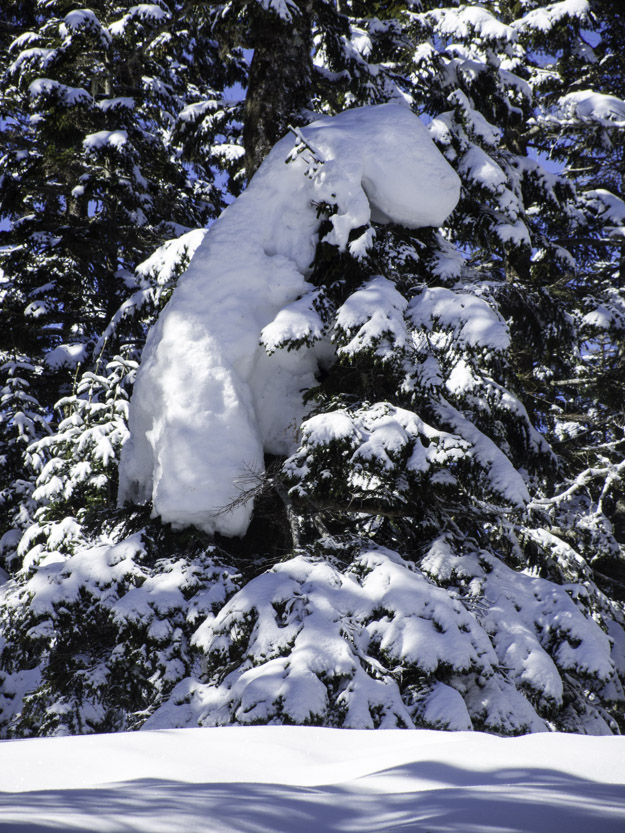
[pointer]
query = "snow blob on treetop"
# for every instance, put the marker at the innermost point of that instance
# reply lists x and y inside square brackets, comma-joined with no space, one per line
[209,400]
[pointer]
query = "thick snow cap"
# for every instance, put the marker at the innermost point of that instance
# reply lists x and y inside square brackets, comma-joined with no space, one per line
[208,401]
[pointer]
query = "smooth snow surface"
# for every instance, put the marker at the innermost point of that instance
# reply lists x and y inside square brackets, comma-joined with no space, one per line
[292,779]
[209,400]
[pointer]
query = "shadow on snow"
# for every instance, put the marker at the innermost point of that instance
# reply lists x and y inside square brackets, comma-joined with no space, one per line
[417,798]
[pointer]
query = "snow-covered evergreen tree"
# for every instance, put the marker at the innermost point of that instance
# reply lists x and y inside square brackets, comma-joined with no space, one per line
[104,157]
[391,434]
[412,468]
[99,167]
[580,123]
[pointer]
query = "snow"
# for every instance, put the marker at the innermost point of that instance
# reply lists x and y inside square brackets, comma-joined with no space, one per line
[70,95]
[589,106]
[115,138]
[545,19]
[36,55]
[503,478]
[283,8]
[472,320]
[143,12]
[607,205]
[24,40]
[476,123]
[161,266]
[361,41]
[482,169]
[521,86]
[601,317]
[297,322]
[209,400]
[279,779]
[114,103]
[193,112]
[309,642]
[374,438]
[79,19]
[66,355]
[515,233]
[466,21]
[371,313]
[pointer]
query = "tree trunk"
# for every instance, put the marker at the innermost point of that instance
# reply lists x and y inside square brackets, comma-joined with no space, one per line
[279,88]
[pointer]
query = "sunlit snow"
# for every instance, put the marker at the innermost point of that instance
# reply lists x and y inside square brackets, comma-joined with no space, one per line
[589,106]
[287,779]
[545,19]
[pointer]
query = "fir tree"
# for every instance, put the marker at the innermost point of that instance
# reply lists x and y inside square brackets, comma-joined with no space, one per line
[105,157]
[93,179]
[518,212]
[439,541]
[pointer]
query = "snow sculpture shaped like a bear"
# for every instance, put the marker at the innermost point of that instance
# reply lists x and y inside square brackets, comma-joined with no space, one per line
[208,401]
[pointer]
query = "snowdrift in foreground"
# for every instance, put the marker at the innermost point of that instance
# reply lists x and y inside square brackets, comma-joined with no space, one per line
[282,779]
[208,399]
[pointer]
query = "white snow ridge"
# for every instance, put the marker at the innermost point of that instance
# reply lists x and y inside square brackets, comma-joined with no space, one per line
[208,400]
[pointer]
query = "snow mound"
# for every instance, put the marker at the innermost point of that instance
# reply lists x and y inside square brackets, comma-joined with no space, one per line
[209,400]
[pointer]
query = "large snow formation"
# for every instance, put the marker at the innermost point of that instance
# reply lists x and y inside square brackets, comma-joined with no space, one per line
[208,399]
